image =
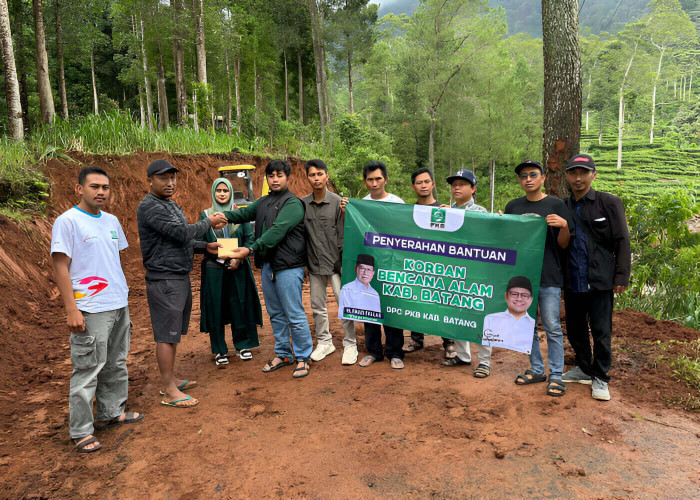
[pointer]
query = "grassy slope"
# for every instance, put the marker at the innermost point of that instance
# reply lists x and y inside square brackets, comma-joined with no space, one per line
[646,169]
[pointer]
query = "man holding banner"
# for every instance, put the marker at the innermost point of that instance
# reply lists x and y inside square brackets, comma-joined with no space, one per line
[423,183]
[556,215]
[463,189]
[375,177]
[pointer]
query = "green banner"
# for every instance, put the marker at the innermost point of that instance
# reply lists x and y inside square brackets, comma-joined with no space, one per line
[443,271]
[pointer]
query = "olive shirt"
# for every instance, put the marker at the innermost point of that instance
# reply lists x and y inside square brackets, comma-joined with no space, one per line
[324,229]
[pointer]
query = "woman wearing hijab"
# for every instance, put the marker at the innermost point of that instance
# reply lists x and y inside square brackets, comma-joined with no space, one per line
[228,292]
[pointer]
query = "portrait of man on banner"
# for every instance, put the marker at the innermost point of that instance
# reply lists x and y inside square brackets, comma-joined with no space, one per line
[512,328]
[358,300]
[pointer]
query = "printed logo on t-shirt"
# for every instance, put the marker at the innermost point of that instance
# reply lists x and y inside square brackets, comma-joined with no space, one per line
[88,238]
[114,235]
[100,284]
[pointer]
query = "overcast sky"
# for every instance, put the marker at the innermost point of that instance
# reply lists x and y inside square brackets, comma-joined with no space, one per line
[395,6]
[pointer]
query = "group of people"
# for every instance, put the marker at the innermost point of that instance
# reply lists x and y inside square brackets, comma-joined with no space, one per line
[587,253]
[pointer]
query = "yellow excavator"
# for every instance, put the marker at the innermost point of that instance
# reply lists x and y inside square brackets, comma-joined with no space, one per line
[241,178]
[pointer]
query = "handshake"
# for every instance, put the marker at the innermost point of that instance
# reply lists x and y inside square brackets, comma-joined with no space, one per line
[218,220]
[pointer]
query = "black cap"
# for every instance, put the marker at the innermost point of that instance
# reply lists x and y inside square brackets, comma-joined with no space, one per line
[519,282]
[581,161]
[160,167]
[365,259]
[529,163]
[465,174]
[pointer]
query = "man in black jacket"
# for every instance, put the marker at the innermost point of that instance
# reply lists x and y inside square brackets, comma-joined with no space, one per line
[280,250]
[167,246]
[599,266]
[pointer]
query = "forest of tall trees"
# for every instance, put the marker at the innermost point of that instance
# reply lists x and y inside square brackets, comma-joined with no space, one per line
[445,87]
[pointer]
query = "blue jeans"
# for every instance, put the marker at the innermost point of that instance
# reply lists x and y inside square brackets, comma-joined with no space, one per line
[287,315]
[550,307]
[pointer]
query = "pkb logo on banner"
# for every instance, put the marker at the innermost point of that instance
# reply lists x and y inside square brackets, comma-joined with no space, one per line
[438,219]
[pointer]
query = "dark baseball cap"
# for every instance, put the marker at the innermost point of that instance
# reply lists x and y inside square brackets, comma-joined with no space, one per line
[160,167]
[529,163]
[581,161]
[520,282]
[465,174]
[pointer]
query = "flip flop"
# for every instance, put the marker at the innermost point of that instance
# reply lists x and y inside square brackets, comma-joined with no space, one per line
[534,378]
[556,388]
[454,362]
[183,386]
[81,446]
[285,362]
[175,403]
[413,347]
[187,384]
[367,360]
[397,363]
[129,418]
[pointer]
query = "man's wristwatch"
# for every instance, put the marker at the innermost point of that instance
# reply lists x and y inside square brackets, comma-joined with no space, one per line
[250,251]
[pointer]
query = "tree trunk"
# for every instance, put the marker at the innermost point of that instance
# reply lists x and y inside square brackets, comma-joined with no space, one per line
[21,63]
[228,95]
[324,82]
[237,72]
[684,87]
[301,87]
[15,128]
[315,36]
[143,113]
[562,91]
[42,64]
[431,142]
[352,104]
[621,113]
[194,107]
[256,96]
[588,96]
[200,47]
[179,63]
[600,127]
[162,96]
[146,81]
[690,84]
[674,88]
[95,101]
[59,56]
[653,98]
[286,87]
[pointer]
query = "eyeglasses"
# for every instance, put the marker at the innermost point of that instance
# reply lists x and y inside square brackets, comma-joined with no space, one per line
[515,295]
[529,174]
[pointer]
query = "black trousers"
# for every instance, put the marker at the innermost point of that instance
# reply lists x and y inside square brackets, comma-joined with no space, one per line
[590,315]
[419,338]
[373,341]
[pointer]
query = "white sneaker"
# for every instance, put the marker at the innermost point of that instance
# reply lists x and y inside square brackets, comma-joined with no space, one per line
[576,374]
[321,351]
[350,355]
[599,390]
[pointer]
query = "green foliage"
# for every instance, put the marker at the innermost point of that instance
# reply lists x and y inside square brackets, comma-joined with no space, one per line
[666,258]
[21,186]
[686,369]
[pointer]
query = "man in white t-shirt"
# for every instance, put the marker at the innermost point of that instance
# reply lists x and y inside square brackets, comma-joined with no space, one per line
[375,177]
[85,246]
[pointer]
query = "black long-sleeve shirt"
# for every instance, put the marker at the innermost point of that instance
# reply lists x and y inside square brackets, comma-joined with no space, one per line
[167,240]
